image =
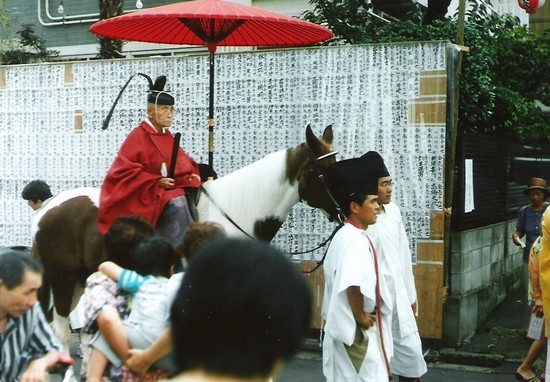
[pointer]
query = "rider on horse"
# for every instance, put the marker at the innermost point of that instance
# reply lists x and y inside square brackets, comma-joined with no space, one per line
[151,173]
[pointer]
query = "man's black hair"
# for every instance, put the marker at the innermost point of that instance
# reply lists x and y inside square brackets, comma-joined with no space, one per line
[37,190]
[154,256]
[242,307]
[13,265]
[123,236]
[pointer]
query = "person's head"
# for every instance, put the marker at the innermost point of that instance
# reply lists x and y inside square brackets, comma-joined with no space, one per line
[35,193]
[354,185]
[154,256]
[196,235]
[385,181]
[242,308]
[20,279]
[160,105]
[123,236]
[537,191]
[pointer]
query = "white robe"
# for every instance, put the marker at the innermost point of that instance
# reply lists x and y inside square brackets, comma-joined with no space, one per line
[394,255]
[350,262]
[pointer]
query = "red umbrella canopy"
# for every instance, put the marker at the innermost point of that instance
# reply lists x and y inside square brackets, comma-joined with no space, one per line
[213,23]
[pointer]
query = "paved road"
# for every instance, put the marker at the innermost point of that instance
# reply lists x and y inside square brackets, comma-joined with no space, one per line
[306,366]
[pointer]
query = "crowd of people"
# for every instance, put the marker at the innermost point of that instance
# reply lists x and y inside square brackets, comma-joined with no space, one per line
[178,299]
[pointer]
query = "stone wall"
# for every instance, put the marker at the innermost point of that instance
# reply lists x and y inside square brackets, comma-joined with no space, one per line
[485,267]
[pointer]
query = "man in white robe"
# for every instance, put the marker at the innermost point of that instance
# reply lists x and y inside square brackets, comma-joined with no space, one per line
[395,258]
[354,302]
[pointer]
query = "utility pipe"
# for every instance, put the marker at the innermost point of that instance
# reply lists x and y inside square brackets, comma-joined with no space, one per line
[49,24]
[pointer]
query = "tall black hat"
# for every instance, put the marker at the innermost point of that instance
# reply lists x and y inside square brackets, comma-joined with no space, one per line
[157,95]
[352,177]
[377,163]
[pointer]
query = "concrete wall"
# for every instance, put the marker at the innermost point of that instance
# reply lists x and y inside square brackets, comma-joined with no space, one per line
[485,267]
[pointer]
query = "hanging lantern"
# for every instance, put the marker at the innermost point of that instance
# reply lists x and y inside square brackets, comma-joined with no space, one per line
[530,6]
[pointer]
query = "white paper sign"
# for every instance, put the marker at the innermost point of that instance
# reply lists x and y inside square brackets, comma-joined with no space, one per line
[536,327]
[468,185]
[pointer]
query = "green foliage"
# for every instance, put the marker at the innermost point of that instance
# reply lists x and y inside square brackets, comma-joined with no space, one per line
[32,48]
[505,71]
[109,48]
[5,21]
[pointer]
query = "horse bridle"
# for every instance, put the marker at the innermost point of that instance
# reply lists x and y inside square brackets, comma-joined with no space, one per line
[339,214]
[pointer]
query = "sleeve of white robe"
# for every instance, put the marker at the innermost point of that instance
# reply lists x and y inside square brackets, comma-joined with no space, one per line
[406,258]
[355,268]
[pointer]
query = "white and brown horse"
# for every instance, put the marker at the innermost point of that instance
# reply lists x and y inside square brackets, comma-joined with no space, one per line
[253,201]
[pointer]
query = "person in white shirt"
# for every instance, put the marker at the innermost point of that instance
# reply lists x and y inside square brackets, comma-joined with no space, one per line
[395,258]
[357,342]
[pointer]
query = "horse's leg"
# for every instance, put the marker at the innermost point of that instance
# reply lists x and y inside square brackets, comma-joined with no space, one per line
[76,317]
[60,327]
[63,289]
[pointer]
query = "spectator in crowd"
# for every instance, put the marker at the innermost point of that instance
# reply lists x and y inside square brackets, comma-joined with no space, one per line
[37,193]
[29,348]
[544,278]
[242,310]
[529,221]
[106,305]
[526,371]
[196,236]
[155,261]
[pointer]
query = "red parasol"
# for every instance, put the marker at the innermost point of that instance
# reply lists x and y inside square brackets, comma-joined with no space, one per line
[212,23]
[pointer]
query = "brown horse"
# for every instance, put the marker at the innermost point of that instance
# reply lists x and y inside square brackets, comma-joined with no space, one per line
[252,201]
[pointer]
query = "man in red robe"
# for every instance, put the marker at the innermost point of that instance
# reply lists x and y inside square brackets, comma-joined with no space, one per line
[138,182]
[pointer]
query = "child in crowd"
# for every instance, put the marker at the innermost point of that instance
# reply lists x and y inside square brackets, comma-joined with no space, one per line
[196,236]
[106,305]
[149,317]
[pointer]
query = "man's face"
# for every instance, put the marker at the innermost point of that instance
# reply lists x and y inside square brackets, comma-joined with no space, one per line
[366,213]
[34,205]
[19,300]
[161,115]
[385,189]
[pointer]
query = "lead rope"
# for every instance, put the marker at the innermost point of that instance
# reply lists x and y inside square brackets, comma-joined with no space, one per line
[379,310]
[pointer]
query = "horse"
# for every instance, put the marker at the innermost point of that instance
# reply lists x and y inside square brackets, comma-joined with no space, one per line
[253,201]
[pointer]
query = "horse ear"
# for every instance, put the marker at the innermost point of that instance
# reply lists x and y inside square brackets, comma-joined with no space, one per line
[311,139]
[315,143]
[328,137]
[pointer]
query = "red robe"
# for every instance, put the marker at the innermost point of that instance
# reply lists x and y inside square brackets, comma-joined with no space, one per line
[131,185]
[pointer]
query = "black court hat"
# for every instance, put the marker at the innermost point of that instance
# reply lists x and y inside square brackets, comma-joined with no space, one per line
[352,177]
[377,163]
[157,95]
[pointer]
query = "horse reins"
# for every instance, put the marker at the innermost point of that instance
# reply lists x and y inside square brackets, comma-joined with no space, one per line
[224,214]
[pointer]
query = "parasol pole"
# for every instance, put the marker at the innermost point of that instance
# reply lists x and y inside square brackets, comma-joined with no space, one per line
[211,120]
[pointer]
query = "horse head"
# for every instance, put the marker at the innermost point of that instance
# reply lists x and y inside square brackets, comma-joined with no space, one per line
[307,165]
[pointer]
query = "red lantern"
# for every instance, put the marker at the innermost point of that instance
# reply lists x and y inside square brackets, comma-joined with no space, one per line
[530,6]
